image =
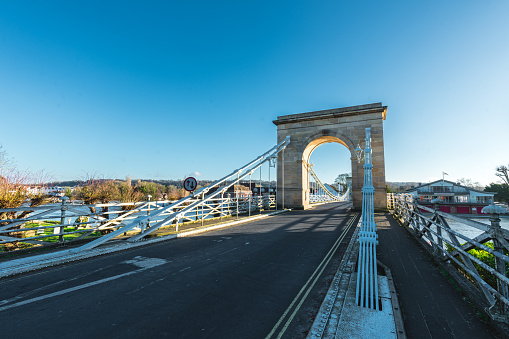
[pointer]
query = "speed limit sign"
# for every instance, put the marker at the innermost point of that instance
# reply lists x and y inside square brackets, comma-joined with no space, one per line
[190,184]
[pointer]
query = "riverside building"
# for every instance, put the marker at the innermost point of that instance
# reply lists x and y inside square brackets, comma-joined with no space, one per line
[454,198]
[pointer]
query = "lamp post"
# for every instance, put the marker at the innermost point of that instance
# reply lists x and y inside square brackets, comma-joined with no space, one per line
[358,153]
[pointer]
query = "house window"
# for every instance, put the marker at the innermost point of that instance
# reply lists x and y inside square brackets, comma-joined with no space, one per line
[484,200]
[447,199]
[461,198]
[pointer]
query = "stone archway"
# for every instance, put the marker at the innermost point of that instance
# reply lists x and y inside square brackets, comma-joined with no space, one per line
[344,125]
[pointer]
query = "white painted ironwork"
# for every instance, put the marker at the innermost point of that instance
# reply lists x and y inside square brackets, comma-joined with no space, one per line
[142,218]
[320,193]
[367,282]
[431,226]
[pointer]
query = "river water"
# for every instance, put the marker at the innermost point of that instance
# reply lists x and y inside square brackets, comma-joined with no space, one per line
[466,230]
[472,232]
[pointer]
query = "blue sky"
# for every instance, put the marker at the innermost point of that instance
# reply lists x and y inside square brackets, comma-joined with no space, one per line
[162,89]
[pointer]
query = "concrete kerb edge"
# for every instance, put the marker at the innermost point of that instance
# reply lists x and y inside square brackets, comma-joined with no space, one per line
[347,266]
[18,266]
[396,309]
[324,313]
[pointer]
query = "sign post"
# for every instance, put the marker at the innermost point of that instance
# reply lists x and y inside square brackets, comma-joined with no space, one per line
[190,184]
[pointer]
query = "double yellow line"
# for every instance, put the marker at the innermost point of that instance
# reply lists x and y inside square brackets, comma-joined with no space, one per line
[308,286]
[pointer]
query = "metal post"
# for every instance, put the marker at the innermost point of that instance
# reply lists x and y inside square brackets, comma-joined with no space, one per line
[222,204]
[148,205]
[499,310]
[147,225]
[260,197]
[439,251]
[269,187]
[202,203]
[237,195]
[228,206]
[250,193]
[275,190]
[283,156]
[60,230]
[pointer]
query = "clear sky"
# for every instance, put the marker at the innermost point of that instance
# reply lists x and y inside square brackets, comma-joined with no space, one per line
[162,89]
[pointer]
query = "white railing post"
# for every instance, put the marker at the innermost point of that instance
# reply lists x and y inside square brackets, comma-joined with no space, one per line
[203,203]
[237,195]
[222,204]
[499,310]
[60,230]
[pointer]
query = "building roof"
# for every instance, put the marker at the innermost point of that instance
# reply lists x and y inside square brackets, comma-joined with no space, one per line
[449,182]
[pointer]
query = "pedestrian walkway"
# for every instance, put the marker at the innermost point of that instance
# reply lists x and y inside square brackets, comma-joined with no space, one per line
[431,306]
[418,300]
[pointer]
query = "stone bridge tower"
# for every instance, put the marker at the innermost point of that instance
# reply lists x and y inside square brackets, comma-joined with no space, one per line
[344,125]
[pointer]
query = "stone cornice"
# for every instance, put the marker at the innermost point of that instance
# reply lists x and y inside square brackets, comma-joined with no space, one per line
[333,113]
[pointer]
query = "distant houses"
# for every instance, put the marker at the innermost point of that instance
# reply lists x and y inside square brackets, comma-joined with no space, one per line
[56,191]
[454,198]
[246,189]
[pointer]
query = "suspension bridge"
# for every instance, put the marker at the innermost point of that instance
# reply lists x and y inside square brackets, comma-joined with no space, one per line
[256,266]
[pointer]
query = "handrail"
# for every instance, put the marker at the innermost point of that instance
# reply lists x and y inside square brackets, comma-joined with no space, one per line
[438,236]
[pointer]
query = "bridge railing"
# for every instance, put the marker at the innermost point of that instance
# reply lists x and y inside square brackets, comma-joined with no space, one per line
[321,193]
[487,271]
[64,223]
[150,216]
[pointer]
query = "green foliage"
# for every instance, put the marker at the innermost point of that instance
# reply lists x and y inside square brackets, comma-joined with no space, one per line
[341,179]
[502,191]
[488,259]
[147,187]
[68,192]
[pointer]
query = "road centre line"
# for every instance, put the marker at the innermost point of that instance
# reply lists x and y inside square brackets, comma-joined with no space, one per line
[307,286]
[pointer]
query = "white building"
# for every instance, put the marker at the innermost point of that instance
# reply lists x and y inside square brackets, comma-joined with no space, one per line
[455,198]
[54,191]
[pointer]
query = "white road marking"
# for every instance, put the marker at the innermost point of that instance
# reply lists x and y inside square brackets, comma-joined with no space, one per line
[143,262]
[233,249]
[23,295]
[303,293]
[184,269]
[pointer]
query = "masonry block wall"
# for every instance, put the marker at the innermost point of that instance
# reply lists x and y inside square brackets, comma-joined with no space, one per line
[344,125]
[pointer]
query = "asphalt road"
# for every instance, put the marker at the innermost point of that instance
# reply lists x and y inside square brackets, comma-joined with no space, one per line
[264,279]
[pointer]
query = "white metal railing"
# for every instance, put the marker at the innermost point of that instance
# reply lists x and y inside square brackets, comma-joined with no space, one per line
[121,219]
[322,193]
[432,226]
[60,223]
[391,198]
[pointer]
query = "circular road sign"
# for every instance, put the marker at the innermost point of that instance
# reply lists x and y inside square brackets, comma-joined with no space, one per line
[190,184]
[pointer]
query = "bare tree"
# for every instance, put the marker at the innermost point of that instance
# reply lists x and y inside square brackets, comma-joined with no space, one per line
[15,191]
[502,173]
[469,183]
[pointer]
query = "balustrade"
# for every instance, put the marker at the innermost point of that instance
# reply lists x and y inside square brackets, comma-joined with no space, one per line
[455,248]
